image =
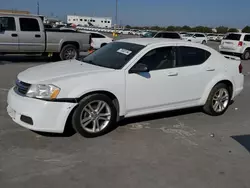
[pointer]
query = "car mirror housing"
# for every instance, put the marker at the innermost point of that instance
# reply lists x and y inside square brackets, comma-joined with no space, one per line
[139,68]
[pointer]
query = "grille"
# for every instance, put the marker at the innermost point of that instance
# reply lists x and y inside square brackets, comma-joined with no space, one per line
[21,88]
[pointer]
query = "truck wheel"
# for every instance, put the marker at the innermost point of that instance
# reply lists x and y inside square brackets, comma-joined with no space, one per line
[103,45]
[69,51]
[218,100]
[95,116]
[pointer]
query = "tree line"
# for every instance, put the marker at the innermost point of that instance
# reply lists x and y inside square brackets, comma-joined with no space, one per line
[202,29]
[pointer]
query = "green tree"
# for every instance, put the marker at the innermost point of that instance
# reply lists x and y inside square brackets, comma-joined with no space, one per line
[186,28]
[171,28]
[128,26]
[246,29]
[222,29]
[233,30]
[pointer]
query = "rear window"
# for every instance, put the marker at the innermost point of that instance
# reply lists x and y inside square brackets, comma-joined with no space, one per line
[168,35]
[233,37]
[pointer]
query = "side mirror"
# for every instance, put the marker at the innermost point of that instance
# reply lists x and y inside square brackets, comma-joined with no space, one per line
[194,36]
[139,68]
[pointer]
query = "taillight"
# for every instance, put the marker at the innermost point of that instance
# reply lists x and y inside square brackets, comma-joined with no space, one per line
[240,68]
[240,43]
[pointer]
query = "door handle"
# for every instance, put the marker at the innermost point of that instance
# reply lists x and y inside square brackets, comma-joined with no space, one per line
[210,69]
[37,36]
[172,74]
[14,35]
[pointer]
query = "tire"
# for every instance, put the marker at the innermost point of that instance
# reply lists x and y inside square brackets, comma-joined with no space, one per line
[69,48]
[246,55]
[83,113]
[103,45]
[204,42]
[209,107]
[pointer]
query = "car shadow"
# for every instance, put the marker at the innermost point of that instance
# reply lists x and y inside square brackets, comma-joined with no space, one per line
[160,115]
[24,59]
[244,140]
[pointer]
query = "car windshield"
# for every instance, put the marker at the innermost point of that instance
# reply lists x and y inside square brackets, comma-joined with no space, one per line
[188,35]
[114,55]
[149,34]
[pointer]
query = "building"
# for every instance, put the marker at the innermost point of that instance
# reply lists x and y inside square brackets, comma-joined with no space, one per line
[104,22]
[14,12]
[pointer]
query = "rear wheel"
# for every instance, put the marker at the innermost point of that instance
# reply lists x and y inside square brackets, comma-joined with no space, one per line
[246,55]
[103,45]
[69,51]
[95,116]
[218,100]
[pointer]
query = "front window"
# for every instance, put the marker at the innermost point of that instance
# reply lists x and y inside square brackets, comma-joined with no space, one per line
[149,34]
[114,55]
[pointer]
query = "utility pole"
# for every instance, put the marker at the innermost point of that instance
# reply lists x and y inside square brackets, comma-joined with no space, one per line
[38,13]
[116,17]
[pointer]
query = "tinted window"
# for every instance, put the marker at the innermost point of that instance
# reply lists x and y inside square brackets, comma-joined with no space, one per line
[189,56]
[8,23]
[29,24]
[199,35]
[160,58]
[247,38]
[233,37]
[168,35]
[149,34]
[113,55]
[95,35]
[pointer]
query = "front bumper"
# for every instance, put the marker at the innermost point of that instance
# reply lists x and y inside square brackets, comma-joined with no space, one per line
[44,116]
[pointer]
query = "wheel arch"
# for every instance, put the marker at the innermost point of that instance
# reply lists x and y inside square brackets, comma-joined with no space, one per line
[207,91]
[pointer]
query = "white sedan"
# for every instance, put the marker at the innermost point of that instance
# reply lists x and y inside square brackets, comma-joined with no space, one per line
[196,38]
[125,78]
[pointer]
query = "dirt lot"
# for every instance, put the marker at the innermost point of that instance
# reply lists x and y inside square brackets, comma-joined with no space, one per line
[169,150]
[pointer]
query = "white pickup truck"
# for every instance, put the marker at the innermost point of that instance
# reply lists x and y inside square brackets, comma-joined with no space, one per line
[25,34]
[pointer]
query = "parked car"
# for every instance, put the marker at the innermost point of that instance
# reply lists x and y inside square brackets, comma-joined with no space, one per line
[163,34]
[220,37]
[26,34]
[123,79]
[237,44]
[212,37]
[196,38]
[98,40]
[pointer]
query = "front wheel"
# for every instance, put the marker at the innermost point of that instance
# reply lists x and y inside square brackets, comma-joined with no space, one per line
[95,116]
[218,100]
[204,42]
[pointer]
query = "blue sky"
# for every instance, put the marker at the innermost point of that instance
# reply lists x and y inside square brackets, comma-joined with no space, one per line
[232,13]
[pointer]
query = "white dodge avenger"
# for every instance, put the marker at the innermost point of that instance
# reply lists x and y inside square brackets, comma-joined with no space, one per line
[125,78]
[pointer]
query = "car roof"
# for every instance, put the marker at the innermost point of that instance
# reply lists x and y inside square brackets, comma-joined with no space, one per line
[149,41]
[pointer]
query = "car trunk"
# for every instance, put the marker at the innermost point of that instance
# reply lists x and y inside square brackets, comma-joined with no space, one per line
[231,41]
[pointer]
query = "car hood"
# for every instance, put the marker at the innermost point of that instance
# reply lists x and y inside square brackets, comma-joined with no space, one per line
[59,70]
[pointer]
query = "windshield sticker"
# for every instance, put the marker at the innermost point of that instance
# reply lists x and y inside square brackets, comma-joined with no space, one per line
[124,51]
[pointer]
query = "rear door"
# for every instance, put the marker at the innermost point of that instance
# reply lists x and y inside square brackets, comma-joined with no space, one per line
[31,35]
[199,38]
[196,69]
[8,36]
[231,41]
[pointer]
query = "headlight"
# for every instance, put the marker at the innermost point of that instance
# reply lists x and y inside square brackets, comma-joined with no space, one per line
[43,91]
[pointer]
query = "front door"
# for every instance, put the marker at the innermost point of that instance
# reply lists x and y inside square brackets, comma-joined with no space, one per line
[155,90]
[31,36]
[8,35]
